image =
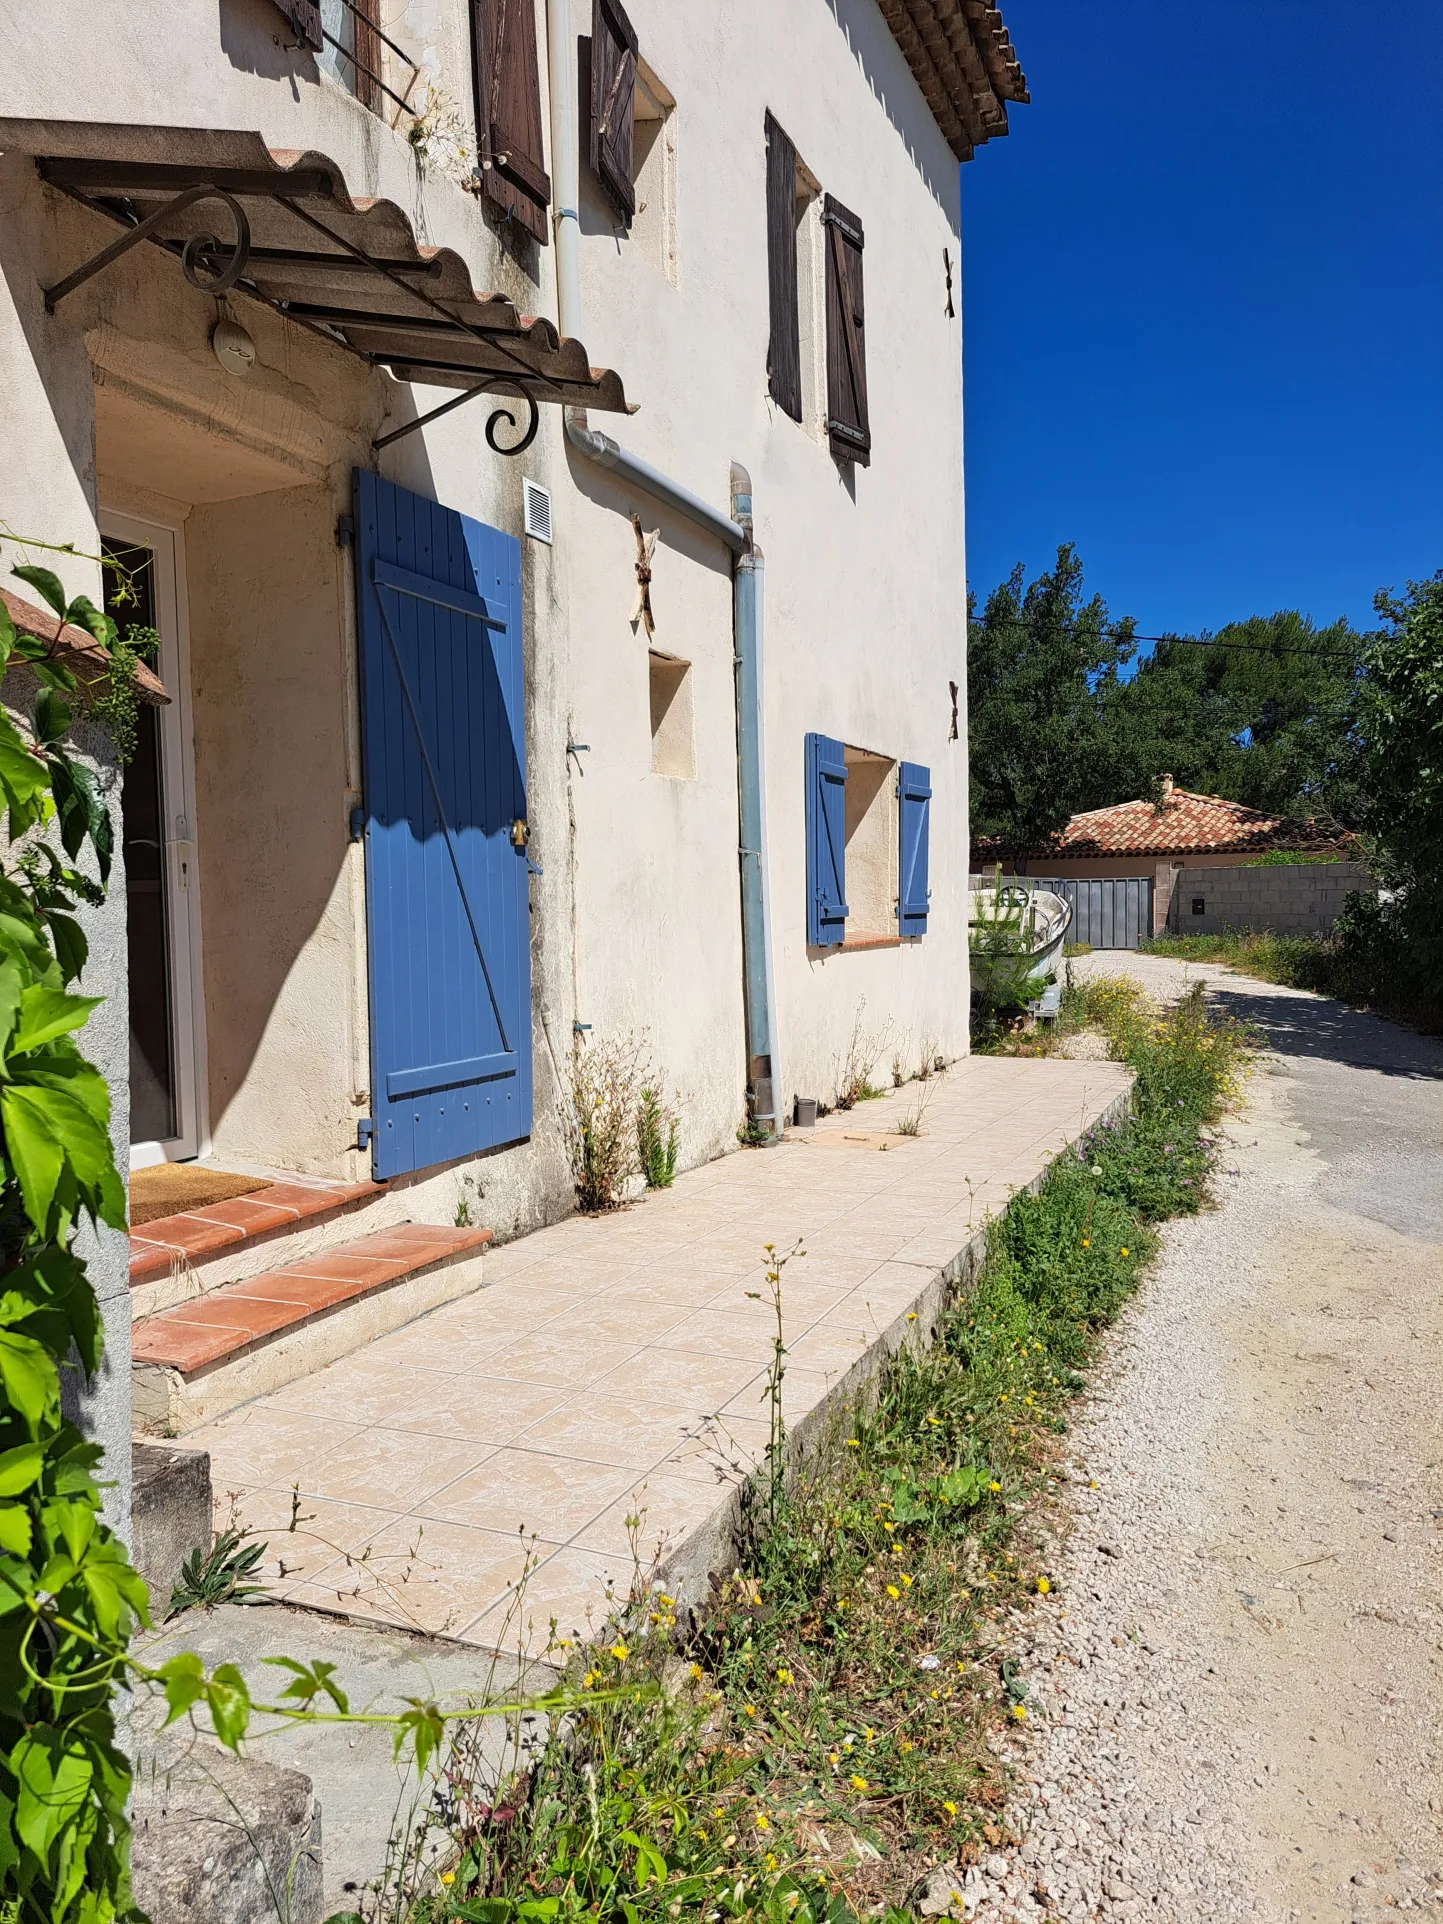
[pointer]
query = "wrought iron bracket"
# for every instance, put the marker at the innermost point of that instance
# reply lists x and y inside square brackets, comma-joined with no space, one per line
[200,258]
[533,421]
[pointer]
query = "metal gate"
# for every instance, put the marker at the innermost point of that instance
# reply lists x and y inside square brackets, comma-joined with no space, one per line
[1110,913]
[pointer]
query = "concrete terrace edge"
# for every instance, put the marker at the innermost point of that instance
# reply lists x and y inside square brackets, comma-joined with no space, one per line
[686,1573]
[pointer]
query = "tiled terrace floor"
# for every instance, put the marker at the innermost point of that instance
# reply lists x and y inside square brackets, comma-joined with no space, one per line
[617,1364]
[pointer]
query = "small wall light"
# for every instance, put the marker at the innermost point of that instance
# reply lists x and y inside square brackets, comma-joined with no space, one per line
[233,347]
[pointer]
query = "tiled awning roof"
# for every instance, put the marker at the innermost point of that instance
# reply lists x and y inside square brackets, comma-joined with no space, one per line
[962,58]
[76,648]
[346,267]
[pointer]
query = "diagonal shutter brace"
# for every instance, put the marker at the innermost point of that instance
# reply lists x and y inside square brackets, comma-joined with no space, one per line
[440,808]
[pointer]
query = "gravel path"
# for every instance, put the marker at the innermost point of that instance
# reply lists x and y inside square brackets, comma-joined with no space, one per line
[1235,1687]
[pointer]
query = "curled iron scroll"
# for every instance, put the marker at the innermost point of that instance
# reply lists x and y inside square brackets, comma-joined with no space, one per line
[533,422]
[203,258]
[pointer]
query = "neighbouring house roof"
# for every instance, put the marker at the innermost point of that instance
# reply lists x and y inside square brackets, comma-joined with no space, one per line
[1183,823]
[345,266]
[963,60]
[76,648]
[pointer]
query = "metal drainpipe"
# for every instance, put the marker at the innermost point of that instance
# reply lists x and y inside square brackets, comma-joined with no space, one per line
[735,530]
[748,580]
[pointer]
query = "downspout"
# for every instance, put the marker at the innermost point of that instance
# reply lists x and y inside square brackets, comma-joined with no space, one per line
[734,530]
[748,580]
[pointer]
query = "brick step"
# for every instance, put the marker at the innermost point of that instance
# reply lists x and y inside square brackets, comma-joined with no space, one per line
[201,1357]
[198,1233]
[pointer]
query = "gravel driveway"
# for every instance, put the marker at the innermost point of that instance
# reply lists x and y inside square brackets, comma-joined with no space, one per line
[1235,1689]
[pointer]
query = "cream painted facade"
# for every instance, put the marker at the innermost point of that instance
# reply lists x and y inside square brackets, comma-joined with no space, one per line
[117,406]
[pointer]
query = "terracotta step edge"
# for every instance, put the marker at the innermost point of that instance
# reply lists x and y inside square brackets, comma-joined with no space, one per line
[151,1255]
[215,1300]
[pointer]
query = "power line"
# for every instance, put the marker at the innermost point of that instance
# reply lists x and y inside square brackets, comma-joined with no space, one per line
[1177,641]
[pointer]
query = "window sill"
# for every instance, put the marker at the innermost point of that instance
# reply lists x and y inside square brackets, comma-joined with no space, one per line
[859,941]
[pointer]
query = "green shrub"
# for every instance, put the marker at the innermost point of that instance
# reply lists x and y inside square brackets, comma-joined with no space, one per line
[656,1132]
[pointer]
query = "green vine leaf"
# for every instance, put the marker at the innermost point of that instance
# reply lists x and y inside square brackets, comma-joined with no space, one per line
[48,584]
[183,1680]
[46,1013]
[54,1774]
[31,1380]
[229,1703]
[16,1533]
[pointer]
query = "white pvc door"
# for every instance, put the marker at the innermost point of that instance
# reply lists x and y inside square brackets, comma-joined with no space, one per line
[167,1122]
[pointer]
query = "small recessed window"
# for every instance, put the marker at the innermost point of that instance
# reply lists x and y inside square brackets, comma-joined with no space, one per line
[653,171]
[673,740]
[871,843]
[1199,905]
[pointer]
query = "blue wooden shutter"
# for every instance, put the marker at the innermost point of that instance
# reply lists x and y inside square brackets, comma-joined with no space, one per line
[914,807]
[444,756]
[826,842]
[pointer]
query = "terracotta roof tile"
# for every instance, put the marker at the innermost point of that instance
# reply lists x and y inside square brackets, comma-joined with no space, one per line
[963,60]
[1187,824]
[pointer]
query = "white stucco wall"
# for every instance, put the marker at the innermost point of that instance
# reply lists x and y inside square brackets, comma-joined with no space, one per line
[636,914]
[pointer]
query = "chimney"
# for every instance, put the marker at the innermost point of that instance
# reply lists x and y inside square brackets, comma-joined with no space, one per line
[1167,788]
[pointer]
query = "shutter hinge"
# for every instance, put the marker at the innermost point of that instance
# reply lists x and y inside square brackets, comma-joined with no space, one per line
[345,531]
[848,229]
[844,431]
[365,1130]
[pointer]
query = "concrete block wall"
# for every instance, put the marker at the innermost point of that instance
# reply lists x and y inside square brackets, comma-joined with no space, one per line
[1301,898]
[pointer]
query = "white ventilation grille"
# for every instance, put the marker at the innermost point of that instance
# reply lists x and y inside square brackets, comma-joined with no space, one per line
[536,510]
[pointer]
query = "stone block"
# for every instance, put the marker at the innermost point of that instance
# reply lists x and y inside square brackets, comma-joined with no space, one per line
[170,1513]
[226,1839]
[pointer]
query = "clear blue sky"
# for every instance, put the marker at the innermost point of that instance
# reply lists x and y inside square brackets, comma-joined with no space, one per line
[1203,306]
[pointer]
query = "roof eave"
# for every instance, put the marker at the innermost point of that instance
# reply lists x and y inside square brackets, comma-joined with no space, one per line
[962,58]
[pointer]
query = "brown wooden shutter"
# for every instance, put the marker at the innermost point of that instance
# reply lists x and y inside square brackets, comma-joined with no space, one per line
[508,111]
[304,19]
[847,425]
[613,103]
[784,350]
[368,54]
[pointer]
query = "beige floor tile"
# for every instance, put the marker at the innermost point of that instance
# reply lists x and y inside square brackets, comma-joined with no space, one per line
[633,1433]
[667,1508]
[832,1348]
[564,1360]
[489,1409]
[434,1345]
[302,1537]
[431,1576]
[373,1390]
[681,1377]
[580,1590]
[392,1469]
[550,1496]
[724,1332]
[265,1446]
